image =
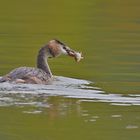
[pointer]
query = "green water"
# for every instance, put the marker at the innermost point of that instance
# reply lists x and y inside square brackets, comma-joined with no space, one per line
[67,120]
[108,34]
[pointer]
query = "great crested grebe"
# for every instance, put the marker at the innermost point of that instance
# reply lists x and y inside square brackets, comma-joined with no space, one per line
[42,74]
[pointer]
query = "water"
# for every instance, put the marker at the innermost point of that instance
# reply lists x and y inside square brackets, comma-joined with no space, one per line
[101,100]
[14,94]
[69,108]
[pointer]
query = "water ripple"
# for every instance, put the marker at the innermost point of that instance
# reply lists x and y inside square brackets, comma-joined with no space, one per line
[28,94]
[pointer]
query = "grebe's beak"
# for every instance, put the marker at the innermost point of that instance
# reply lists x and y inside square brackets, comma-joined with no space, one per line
[77,56]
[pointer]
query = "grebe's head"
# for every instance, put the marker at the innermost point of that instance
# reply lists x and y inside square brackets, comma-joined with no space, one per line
[57,48]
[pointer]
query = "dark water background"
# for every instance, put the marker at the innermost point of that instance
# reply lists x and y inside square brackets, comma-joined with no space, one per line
[108,34]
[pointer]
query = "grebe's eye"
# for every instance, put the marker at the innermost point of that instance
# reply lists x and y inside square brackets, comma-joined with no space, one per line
[64,48]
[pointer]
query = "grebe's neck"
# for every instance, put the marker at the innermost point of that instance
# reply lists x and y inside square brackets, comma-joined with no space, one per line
[42,60]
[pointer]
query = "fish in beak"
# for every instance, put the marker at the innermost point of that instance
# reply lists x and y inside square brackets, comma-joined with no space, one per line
[77,55]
